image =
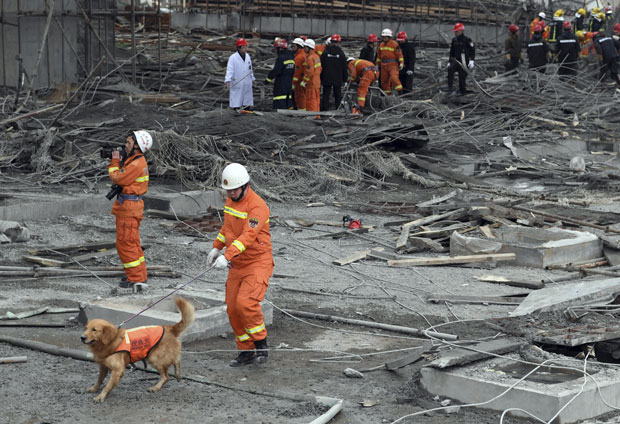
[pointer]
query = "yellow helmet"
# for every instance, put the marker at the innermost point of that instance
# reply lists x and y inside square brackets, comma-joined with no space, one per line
[580,34]
[595,11]
[558,13]
[581,12]
[600,16]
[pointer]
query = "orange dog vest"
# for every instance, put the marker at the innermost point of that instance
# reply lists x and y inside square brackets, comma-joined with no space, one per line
[138,342]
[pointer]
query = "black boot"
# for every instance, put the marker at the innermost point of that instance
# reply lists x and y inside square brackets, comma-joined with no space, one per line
[262,352]
[246,357]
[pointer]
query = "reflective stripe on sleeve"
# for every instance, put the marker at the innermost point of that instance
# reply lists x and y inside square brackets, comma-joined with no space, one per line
[221,237]
[142,179]
[112,169]
[238,245]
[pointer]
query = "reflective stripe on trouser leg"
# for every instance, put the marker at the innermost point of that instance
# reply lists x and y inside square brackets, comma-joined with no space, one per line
[394,81]
[129,248]
[245,289]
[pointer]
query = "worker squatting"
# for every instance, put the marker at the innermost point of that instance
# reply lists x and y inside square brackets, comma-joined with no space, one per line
[306,74]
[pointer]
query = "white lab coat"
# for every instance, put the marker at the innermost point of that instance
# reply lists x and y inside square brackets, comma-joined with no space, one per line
[240,75]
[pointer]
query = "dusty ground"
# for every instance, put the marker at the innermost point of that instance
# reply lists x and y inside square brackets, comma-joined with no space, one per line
[51,389]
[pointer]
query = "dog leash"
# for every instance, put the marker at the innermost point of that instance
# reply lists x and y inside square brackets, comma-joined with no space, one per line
[166,296]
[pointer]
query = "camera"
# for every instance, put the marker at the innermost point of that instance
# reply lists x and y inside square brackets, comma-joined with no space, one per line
[106,153]
[115,190]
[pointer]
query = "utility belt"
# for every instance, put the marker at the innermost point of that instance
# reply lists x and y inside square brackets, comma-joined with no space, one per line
[389,61]
[370,68]
[131,197]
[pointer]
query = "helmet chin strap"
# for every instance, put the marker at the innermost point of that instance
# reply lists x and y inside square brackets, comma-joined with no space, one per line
[245,189]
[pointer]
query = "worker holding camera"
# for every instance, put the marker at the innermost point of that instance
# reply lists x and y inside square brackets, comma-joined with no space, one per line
[131,178]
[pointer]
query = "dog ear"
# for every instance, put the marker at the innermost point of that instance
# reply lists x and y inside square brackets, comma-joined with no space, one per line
[109,334]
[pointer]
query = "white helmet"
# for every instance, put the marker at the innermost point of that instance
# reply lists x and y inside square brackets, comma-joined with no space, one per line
[350,59]
[299,42]
[310,43]
[386,33]
[328,41]
[234,176]
[542,15]
[144,140]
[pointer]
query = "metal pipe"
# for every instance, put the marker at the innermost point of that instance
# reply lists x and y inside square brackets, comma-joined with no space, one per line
[133,41]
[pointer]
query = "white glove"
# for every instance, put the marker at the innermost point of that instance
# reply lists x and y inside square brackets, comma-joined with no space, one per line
[410,72]
[221,262]
[302,84]
[213,255]
[401,66]
[470,65]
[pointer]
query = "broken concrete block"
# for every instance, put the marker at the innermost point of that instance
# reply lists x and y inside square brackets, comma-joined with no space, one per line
[463,245]
[188,203]
[14,232]
[351,373]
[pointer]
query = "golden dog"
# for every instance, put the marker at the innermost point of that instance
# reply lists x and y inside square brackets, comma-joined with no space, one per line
[104,339]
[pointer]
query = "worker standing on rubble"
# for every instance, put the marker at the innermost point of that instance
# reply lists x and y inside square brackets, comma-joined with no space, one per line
[299,92]
[607,51]
[368,51]
[596,20]
[249,259]
[616,35]
[537,20]
[579,21]
[334,72]
[239,77]
[132,176]
[390,59]
[568,53]
[282,76]
[364,73]
[609,19]
[512,49]
[462,54]
[555,29]
[311,80]
[406,74]
[538,51]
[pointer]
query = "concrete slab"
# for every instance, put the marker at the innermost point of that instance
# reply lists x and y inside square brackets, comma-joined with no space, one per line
[44,210]
[561,296]
[543,394]
[187,203]
[536,247]
[211,318]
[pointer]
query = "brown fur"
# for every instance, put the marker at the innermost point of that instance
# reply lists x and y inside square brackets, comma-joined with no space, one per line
[103,338]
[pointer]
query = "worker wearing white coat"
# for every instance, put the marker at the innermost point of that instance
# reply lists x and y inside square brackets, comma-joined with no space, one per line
[239,76]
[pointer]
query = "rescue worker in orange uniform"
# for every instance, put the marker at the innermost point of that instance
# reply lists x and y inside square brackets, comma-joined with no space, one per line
[312,77]
[246,237]
[299,92]
[364,72]
[133,176]
[390,59]
[537,20]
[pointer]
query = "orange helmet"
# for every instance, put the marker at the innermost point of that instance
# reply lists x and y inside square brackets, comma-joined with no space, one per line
[458,27]
[372,38]
[241,42]
[513,28]
[401,36]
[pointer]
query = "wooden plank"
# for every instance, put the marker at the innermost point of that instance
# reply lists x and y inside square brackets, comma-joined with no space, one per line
[13,359]
[77,247]
[498,279]
[403,237]
[467,259]
[351,258]
[439,199]
[92,255]
[461,355]
[486,230]
[410,358]
[433,218]
[44,261]
[442,171]
[476,300]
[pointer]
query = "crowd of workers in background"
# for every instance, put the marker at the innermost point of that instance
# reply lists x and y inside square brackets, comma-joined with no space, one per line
[306,74]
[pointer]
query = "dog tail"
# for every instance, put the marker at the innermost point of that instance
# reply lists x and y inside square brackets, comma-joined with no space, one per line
[187,316]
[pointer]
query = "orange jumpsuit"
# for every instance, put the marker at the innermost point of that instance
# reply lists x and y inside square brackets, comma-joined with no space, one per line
[245,234]
[319,49]
[312,77]
[138,342]
[299,91]
[389,56]
[365,72]
[133,176]
[535,23]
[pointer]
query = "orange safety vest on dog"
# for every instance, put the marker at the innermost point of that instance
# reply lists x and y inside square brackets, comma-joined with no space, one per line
[138,342]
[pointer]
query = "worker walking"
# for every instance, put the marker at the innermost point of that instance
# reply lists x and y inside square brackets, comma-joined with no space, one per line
[538,51]
[334,72]
[364,73]
[368,51]
[390,59]
[239,76]
[568,54]
[462,54]
[248,256]
[311,80]
[282,76]
[512,49]
[607,51]
[406,74]
[132,175]
[299,92]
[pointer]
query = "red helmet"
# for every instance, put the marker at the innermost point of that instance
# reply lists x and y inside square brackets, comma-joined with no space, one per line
[567,25]
[303,37]
[336,38]
[617,28]
[513,28]
[539,28]
[401,36]
[241,42]
[372,38]
[458,27]
[280,43]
